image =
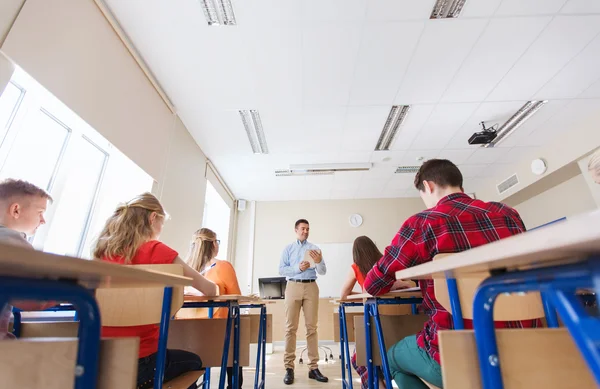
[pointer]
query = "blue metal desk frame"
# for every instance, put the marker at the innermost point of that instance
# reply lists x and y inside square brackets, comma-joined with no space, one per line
[370,310]
[234,319]
[84,302]
[558,284]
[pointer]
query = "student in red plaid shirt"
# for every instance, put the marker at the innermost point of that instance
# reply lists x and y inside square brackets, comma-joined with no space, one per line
[452,223]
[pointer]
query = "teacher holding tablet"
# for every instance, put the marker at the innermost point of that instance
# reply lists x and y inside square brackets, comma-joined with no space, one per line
[300,263]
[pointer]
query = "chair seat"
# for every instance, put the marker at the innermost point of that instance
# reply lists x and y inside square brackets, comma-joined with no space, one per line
[184,381]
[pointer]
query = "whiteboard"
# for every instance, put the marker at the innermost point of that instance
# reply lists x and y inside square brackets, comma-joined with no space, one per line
[338,258]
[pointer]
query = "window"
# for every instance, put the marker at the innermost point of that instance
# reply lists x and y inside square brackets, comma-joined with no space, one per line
[216,217]
[44,142]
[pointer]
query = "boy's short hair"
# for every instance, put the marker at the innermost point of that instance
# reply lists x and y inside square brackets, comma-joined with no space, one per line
[301,221]
[11,188]
[441,171]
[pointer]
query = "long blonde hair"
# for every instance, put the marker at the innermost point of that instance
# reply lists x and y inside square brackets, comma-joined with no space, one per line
[128,228]
[594,164]
[202,249]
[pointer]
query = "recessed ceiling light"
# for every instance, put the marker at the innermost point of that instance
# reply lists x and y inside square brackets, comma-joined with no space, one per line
[218,12]
[516,120]
[254,130]
[390,128]
[447,9]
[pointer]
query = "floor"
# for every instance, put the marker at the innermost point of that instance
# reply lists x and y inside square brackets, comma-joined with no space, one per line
[276,371]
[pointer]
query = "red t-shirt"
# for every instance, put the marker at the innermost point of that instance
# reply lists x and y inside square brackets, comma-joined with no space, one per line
[360,278]
[150,253]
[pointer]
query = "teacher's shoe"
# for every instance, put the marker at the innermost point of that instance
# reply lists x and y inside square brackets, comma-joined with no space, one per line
[289,376]
[316,375]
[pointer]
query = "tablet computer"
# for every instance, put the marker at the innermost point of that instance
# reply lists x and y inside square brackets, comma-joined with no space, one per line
[309,259]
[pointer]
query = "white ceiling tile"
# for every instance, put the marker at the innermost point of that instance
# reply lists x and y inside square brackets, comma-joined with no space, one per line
[564,37]
[393,155]
[401,181]
[486,155]
[333,10]
[581,7]
[353,157]
[341,194]
[329,54]
[344,179]
[457,156]
[416,157]
[592,91]
[380,171]
[499,47]
[573,114]
[265,12]
[478,9]
[472,170]
[442,49]
[381,66]
[515,155]
[444,122]
[368,119]
[576,77]
[529,7]
[394,10]
[412,125]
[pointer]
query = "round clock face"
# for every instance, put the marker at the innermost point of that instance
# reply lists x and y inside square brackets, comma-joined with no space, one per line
[356,220]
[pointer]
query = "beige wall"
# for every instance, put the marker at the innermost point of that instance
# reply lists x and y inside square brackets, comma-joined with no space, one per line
[329,224]
[592,186]
[9,9]
[6,71]
[566,199]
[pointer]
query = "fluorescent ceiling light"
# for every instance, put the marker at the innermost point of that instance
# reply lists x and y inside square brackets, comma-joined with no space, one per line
[447,9]
[254,130]
[516,120]
[390,129]
[218,12]
[324,169]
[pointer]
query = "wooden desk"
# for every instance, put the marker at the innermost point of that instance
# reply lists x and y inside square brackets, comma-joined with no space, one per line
[390,295]
[20,262]
[226,297]
[566,242]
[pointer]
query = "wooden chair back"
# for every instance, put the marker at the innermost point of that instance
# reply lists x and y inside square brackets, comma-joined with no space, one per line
[124,307]
[507,308]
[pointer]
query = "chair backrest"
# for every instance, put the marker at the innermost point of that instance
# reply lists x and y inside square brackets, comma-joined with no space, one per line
[507,308]
[124,307]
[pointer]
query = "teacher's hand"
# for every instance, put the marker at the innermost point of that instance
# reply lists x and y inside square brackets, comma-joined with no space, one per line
[316,256]
[304,265]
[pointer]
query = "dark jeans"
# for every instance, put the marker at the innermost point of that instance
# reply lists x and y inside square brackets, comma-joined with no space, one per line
[177,363]
[230,377]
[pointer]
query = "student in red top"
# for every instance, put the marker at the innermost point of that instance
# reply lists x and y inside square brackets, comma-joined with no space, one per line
[454,222]
[130,237]
[365,255]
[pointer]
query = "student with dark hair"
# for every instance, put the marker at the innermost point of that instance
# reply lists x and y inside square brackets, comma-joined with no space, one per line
[365,255]
[452,223]
[301,292]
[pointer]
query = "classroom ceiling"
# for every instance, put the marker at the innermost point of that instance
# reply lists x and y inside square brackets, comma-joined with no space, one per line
[324,74]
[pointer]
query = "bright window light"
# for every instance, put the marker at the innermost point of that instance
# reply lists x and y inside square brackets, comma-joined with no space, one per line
[216,217]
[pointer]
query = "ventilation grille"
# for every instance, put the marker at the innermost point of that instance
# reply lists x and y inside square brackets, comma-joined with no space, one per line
[508,183]
[407,169]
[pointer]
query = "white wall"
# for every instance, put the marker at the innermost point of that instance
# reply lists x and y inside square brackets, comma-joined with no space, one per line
[566,199]
[244,247]
[329,223]
[6,71]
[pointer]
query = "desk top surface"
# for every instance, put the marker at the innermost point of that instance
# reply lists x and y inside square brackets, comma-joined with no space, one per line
[21,262]
[565,242]
[226,297]
[412,292]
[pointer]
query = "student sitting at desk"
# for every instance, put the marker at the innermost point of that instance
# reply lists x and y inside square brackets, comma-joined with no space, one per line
[203,258]
[454,222]
[22,208]
[130,237]
[365,255]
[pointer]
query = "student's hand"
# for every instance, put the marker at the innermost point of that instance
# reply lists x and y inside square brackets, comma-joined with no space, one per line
[316,256]
[401,284]
[304,265]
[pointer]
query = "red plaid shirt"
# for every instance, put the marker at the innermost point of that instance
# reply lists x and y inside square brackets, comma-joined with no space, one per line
[455,224]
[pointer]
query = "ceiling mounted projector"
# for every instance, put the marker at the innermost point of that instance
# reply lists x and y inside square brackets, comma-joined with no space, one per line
[483,137]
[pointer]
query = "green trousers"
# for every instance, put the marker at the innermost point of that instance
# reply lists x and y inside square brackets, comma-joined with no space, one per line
[408,362]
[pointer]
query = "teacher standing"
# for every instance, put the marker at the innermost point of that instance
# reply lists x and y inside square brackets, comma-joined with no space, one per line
[301,292]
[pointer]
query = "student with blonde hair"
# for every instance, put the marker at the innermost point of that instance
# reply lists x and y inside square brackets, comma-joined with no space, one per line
[130,237]
[22,208]
[203,258]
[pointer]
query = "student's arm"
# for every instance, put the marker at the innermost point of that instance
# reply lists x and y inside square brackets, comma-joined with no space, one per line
[285,269]
[199,282]
[409,248]
[348,285]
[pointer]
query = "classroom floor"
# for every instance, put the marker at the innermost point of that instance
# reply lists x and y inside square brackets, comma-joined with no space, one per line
[276,371]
